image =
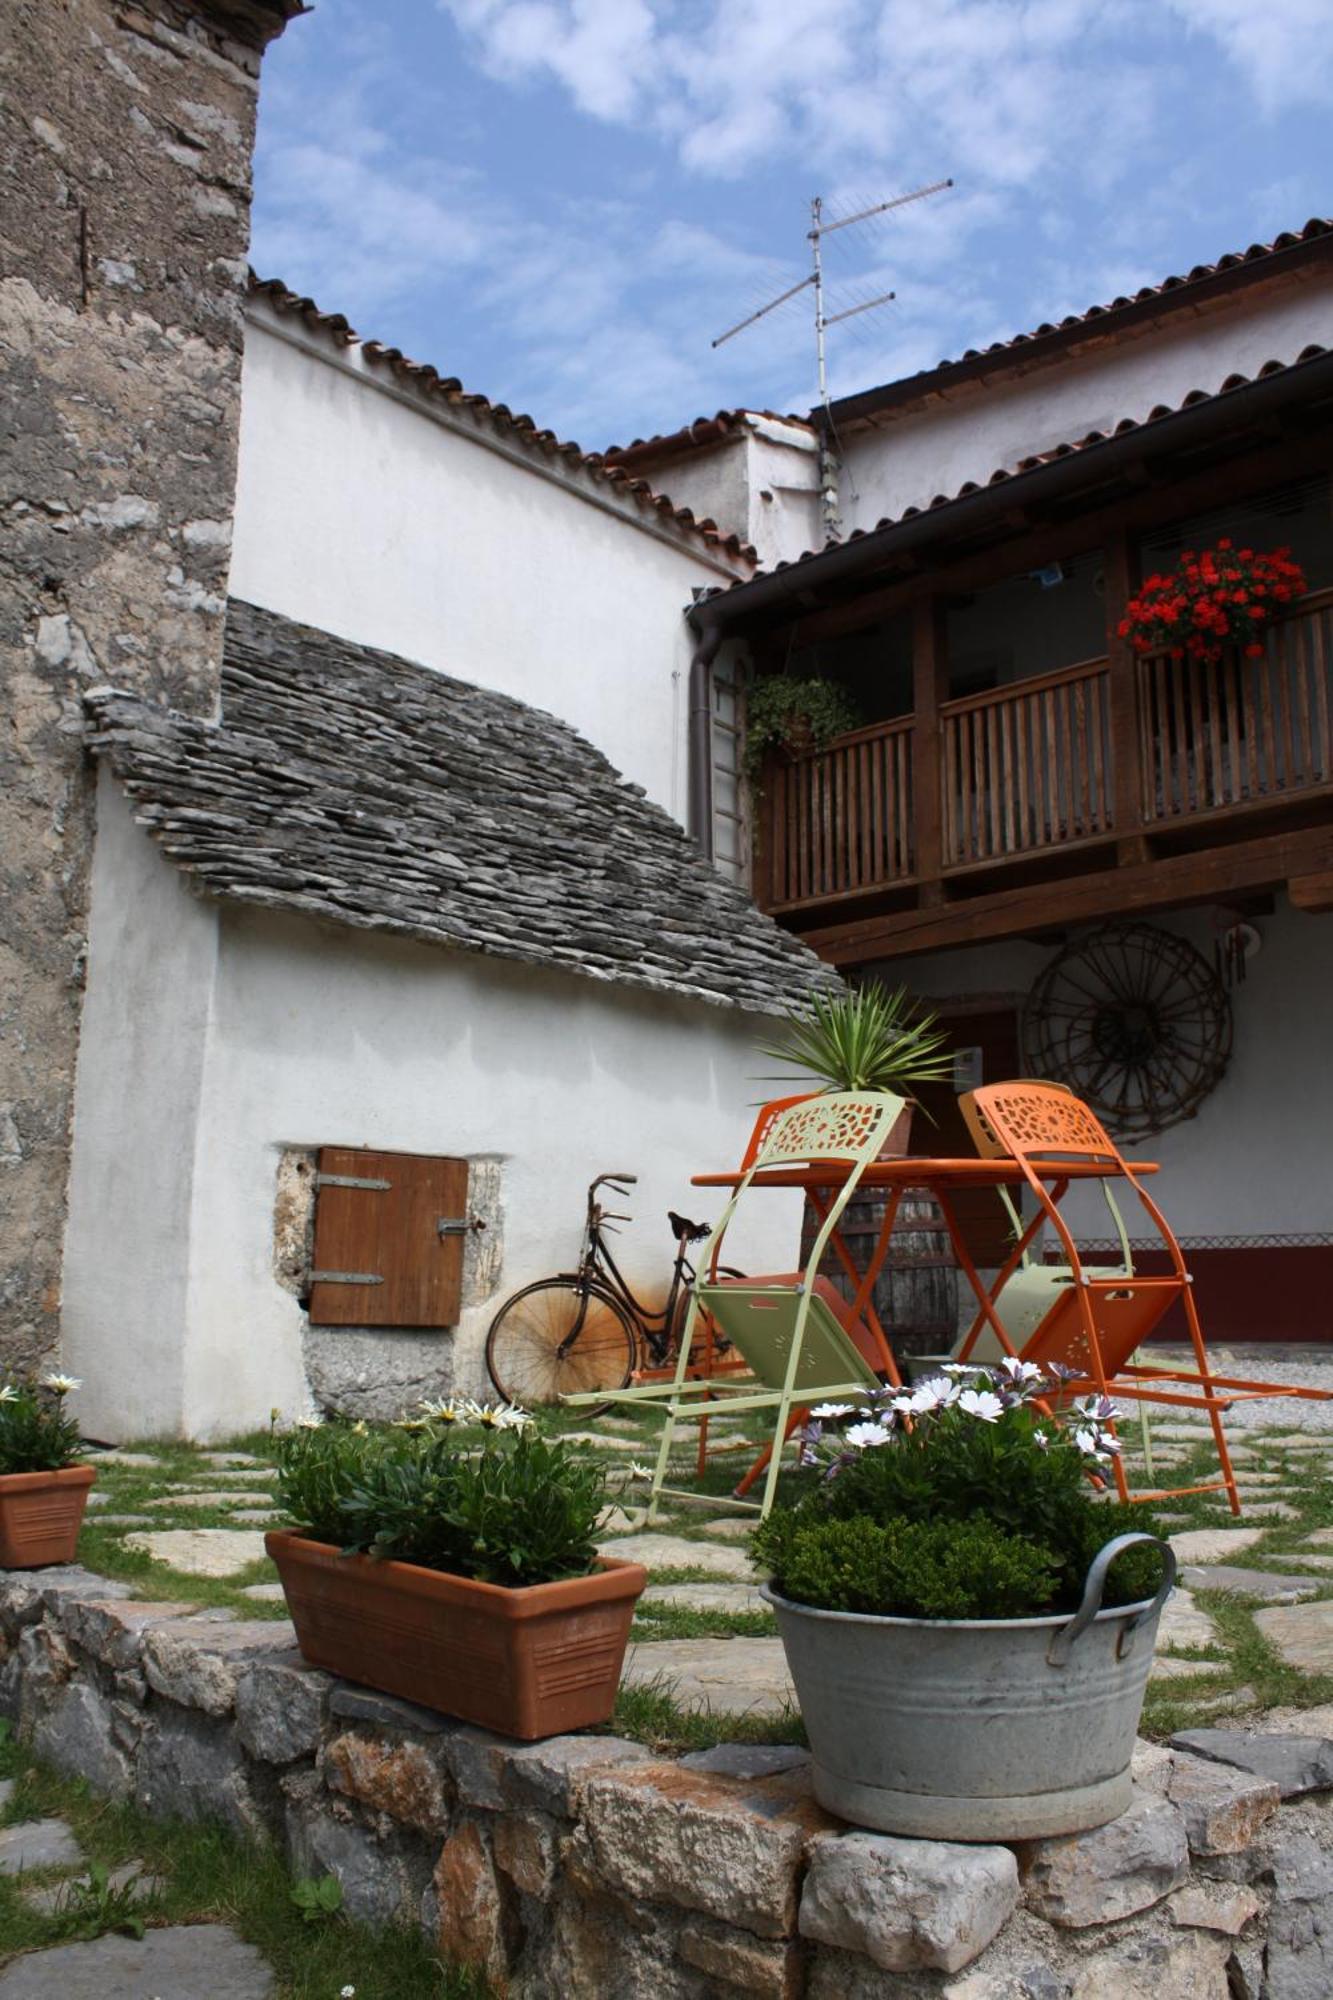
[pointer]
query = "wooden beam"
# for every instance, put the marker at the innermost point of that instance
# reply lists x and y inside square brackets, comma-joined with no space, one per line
[1173,882]
[930,686]
[1120,569]
[1313,893]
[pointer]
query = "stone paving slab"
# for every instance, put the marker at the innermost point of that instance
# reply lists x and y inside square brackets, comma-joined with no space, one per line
[726,1597]
[179,1499]
[1296,1764]
[666,1552]
[1302,1633]
[1207,1545]
[217,1552]
[728,1676]
[1185,1623]
[124,1520]
[38,1843]
[1165,1668]
[265,1593]
[133,1458]
[186,1962]
[1254,1582]
[732,1527]
[1298,1557]
[235,1458]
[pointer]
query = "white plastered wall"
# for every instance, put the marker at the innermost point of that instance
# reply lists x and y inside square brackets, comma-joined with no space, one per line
[215,1037]
[1256,1158]
[361,512]
[970,431]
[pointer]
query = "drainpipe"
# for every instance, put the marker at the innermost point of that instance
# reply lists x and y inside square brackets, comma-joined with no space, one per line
[700,737]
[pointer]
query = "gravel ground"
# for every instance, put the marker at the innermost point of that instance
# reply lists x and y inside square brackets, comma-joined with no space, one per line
[1309,1368]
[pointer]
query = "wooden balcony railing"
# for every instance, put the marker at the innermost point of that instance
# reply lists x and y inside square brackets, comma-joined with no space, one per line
[1235,731]
[1032,766]
[841,821]
[1028,765]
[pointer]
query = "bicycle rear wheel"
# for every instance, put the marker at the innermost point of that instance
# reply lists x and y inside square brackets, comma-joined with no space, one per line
[551,1340]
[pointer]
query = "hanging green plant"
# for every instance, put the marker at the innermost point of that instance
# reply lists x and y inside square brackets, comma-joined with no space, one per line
[794,716]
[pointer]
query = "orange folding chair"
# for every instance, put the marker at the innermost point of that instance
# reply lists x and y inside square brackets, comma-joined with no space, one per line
[1097,1319]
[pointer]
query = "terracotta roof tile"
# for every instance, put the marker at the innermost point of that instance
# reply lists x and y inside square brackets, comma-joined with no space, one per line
[429,382]
[1088,442]
[1173,289]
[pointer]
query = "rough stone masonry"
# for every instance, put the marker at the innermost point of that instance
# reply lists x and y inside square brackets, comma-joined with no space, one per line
[126,135]
[586,1866]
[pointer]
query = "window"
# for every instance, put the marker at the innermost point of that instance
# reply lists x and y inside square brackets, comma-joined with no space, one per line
[389,1233]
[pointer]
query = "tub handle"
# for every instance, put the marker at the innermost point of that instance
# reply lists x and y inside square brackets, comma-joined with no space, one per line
[1057,1653]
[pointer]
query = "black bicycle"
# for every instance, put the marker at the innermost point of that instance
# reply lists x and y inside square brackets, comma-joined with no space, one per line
[585,1329]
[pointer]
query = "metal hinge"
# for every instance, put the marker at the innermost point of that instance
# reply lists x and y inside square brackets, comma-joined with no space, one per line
[352,1181]
[345,1278]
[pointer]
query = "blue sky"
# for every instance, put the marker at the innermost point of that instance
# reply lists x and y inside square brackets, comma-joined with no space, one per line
[562,201]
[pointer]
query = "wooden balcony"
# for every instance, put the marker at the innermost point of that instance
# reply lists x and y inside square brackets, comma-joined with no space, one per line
[1071,760]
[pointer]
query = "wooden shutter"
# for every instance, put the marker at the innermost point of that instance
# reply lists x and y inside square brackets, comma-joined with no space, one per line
[381,1255]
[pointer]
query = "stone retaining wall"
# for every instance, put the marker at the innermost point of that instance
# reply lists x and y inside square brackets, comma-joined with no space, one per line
[586,1866]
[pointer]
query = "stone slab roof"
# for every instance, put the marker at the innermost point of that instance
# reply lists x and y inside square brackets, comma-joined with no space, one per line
[351,785]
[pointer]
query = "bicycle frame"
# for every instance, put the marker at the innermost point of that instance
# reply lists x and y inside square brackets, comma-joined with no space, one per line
[598,1270]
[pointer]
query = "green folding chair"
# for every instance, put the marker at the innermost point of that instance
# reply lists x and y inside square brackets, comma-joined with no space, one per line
[790,1336]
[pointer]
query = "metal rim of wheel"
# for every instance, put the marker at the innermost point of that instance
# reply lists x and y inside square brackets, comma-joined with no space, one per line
[522,1347]
[1136,1021]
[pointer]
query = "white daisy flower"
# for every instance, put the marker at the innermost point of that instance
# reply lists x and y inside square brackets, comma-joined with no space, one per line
[61,1384]
[9,1394]
[862,1436]
[830,1412]
[981,1403]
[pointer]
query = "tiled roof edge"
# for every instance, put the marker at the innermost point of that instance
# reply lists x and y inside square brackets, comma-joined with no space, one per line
[428,382]
[1170,293]
[1191,400]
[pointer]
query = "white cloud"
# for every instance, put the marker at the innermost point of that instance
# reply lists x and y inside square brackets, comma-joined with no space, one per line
[1284,48]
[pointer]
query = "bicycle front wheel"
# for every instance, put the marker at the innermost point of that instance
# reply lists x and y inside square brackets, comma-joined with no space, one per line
[552,1339]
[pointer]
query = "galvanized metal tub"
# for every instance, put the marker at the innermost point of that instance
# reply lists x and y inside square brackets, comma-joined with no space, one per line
[975,1729]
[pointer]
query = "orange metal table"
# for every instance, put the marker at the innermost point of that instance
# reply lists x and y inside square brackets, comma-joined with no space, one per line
[941,1178]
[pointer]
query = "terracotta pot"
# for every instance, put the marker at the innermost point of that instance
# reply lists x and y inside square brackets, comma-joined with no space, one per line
[528,1663]
[41,1514]
[899,1139]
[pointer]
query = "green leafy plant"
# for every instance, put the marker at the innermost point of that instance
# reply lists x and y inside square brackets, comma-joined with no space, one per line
[318,1898]
[876,1038]
[962,1498]
[507,1507]
[36,1432]
[97,1906]
[783,712]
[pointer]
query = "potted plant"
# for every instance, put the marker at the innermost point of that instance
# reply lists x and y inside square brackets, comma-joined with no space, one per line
[969,1629]
[452,1560]
[871,1038]
[794,717]
[1214,598]
[879,1038]
[43,1493]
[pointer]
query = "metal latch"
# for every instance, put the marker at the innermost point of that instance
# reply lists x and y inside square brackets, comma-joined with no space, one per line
[452,1225]
[345,1278]
[352,1181]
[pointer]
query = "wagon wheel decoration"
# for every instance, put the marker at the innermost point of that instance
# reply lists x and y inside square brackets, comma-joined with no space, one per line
[1135,1021]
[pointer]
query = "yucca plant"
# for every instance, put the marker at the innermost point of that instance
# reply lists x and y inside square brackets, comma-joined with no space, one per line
[876,1038]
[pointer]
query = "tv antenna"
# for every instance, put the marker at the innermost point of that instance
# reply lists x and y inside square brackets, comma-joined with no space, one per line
[814,279]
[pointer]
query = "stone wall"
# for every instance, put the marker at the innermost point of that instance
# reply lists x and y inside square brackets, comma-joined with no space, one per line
[126,129]
[585,1866]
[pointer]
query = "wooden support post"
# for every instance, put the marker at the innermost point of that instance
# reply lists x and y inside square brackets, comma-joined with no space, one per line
[930,686]
[1120,570]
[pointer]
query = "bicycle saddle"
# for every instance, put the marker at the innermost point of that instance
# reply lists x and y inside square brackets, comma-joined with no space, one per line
[682,1226]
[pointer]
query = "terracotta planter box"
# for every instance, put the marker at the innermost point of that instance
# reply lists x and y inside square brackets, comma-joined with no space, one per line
[41,1514]
[528,1663]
